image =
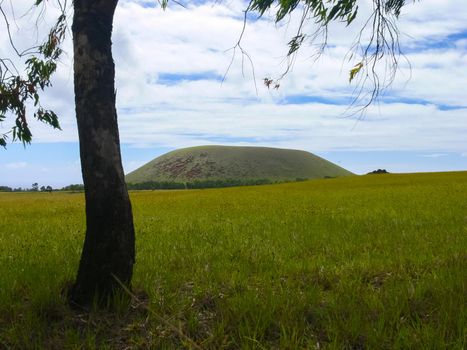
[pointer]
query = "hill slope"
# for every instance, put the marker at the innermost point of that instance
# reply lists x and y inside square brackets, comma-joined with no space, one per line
[228,162]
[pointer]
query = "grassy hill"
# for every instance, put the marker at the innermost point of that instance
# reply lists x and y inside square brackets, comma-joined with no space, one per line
[227,162]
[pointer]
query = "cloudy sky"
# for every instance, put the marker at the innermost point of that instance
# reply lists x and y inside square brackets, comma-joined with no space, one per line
[171,94]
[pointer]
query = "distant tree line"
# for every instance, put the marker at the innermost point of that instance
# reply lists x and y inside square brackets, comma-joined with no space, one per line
[35,188]
[159,185]
[379,171]
[73,187]
[198,184]
[227,183]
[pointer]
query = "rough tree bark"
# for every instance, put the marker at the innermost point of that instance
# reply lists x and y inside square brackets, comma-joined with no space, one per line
[109,246]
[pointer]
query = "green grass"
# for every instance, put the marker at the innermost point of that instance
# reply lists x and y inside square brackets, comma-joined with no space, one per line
[240,163]
[376,262]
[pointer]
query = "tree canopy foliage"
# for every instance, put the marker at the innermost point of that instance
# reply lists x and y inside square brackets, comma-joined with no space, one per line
[19,86]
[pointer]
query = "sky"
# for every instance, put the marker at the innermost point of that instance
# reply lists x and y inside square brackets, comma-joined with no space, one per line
[179,85]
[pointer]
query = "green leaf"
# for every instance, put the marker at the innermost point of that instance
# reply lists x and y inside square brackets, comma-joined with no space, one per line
[164,3]
[333,12]
[354,71]
[352,16]
[295,43]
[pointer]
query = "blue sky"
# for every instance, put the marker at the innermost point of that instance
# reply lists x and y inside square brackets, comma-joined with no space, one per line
[170,66]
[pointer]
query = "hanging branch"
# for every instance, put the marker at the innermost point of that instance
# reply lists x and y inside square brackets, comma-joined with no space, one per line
[18,88]
[382,50]
[244,53]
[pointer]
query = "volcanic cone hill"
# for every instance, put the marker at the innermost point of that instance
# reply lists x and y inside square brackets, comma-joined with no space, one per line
[240,163]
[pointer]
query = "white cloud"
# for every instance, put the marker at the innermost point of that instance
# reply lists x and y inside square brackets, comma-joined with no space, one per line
[434,155]
[16,165]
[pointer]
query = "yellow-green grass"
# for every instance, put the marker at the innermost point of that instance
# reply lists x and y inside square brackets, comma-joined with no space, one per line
[377,262]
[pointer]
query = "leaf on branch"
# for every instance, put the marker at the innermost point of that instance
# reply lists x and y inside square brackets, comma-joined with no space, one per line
[47,117]
[17,89]
[163,3]
[394,6]
[354,71]
[295,43]
[352,16]
[268,82]
[333,12]
[261,6]
[286,7]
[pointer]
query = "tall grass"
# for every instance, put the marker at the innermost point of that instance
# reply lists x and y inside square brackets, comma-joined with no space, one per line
[374,262]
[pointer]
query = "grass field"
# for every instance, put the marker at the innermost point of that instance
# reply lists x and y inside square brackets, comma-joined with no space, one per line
[370,262]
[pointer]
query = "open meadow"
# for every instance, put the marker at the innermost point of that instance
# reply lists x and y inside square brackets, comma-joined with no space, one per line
[364,262]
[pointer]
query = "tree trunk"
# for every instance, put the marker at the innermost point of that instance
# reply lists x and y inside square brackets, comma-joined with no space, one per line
[109,246]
